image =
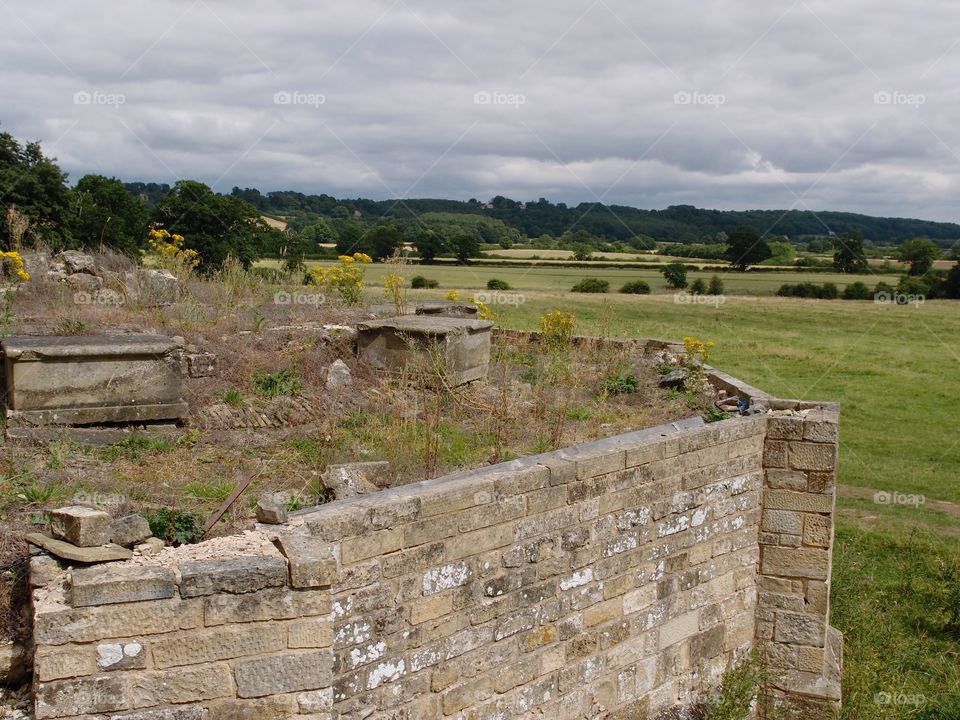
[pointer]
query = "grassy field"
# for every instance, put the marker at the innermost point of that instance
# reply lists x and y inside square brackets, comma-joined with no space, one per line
[896,371]
[561,279]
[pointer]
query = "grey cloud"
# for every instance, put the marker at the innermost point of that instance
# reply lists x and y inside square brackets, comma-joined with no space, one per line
[598,91]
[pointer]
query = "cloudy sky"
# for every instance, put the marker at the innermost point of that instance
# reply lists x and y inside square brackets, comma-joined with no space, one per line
[809,104]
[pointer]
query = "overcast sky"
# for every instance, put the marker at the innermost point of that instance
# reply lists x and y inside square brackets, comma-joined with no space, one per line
[850,105]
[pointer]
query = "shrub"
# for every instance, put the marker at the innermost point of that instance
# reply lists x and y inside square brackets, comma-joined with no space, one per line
[827,291]
[716,286]
[621,384]
[591,285]
[275,384]
[419,282]
[699,287]
[177,527]
[495,284]
[675,273]
[857,291]
[346,277]
[556,328]
[636,287]
[883,287]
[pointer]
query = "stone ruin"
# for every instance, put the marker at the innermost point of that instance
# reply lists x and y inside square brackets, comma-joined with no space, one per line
[615,579]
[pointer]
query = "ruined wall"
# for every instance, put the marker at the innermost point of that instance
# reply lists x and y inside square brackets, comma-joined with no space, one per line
[616,579]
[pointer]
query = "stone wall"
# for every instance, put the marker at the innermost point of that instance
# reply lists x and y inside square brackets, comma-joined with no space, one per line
[618,579]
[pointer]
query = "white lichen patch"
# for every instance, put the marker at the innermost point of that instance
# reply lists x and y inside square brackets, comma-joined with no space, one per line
[385,672]
[445,577]
[580,577]
[367,654]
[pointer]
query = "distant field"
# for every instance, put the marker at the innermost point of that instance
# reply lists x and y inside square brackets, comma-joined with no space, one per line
[555,278]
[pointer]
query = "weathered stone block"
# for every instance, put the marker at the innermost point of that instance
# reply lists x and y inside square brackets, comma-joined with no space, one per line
[277,674]
[226,643]
[311,561]
[352,479]
[92,379]
[310,633]
[817,530]
[116,692]
[461,346]
[785,428]
[782,521]
[129,530]
[269,604]
[121,656]
[800,629]
[271,510]
[430,608]
[57,626]
[232,575]
[109,584]
[801,562]
[679,629]
[63,661]
[797,501]
[356,549]
[43,570]
[813,456]
[81,526]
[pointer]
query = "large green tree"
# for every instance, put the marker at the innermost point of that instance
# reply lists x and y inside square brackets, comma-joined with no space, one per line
[216,226]
[746,248]
[429,244]
[920,253]
[351,238]
[320,232]
[849,255]
[104,213]
[37,189]
[384,240]
[465,245]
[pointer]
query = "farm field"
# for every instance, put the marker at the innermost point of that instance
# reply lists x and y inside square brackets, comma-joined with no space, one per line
[895,372]
[475,277]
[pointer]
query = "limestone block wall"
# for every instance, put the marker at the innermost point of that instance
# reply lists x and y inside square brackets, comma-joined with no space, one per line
[618,579]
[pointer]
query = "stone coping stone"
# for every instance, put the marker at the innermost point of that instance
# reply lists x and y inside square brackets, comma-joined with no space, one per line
[24,348]
[112,584]
[234,575]
[67,551]
[430,325]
